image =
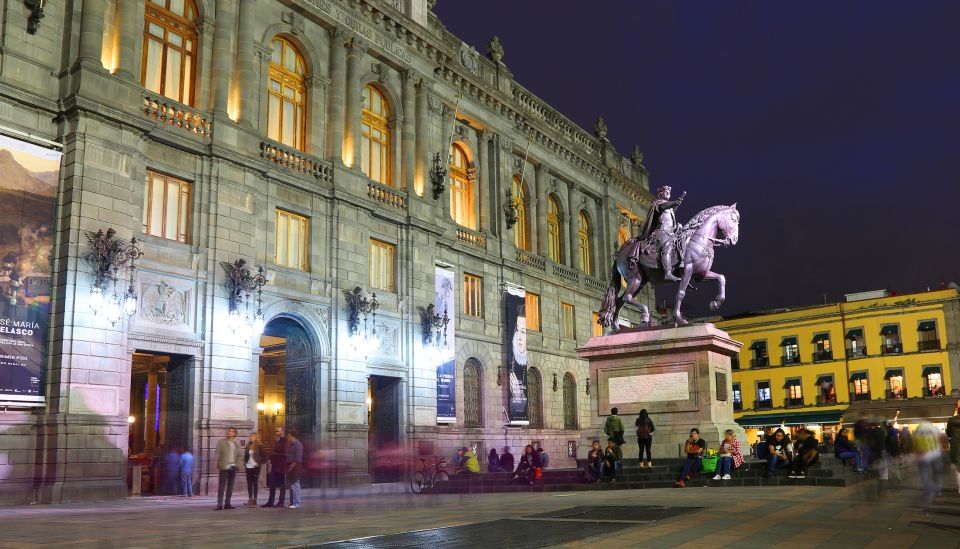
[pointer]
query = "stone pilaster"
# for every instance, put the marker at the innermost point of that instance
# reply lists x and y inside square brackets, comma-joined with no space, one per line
[573,220]
[246,64]
[338,77]
[130,15]
[541,172]
[356,49]
[423,149]
[484,166]
[408,138]
[224,38]
[91,30]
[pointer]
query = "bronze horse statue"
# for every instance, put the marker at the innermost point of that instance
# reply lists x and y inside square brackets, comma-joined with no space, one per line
[694,241]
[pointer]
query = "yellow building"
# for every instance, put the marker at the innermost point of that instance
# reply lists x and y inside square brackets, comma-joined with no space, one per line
[872,355]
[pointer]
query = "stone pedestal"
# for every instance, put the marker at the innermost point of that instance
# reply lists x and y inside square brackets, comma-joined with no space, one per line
[681,376]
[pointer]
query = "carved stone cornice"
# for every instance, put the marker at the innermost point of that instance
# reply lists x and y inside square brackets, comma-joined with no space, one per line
[356,46]
[263,52]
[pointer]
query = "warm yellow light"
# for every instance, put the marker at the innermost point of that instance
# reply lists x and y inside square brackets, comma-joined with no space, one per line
[277,407]
[369,404]
[131,419]
[261,407]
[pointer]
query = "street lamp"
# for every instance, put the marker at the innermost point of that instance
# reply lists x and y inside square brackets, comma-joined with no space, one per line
[243,284]
[359,305]
[431,340]
[110,256]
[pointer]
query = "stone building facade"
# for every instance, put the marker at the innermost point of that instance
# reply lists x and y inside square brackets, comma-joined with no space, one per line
[299,135]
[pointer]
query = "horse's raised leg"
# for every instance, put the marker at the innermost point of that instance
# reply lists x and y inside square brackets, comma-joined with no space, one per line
[630,297]
[627,296]
[682,291]
[722,282]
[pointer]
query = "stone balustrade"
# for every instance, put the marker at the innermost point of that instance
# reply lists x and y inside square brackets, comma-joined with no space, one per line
[176,114]
[471,237]
[295,160]
[532,260]
[566,273]
[385,195]
[594,284]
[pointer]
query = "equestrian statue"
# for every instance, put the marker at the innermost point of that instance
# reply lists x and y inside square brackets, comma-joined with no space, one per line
[668,252]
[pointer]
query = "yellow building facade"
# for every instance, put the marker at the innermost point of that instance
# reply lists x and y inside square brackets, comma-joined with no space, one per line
[873,352]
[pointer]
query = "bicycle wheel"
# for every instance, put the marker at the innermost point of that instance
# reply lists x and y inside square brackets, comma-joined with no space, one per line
[440,476]
[417,482]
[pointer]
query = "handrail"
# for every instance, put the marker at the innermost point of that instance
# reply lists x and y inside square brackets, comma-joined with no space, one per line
[295,160]
[385,195]
[176,114]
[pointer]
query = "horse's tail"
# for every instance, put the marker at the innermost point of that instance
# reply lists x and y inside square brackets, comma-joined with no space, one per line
[608,305]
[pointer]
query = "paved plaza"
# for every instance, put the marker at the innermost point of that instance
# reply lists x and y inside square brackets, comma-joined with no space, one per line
[864,515]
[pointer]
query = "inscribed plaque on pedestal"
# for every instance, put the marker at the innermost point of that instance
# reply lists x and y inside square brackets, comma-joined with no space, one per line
[648,388]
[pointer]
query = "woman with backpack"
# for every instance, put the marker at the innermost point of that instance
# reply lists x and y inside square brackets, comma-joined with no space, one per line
[645,436]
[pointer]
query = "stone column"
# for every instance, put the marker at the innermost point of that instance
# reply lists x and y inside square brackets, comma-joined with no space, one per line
[223,40]
[446,136]
[573,219]
[338,75]
[408,144]
[246,64]
[130,16]
[202,87]
[91,30]
[149,434]
[483,166]
[355,53]
[540,221]
[422,161]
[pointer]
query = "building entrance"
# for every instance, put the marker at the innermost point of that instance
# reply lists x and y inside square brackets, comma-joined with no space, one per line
[384,455]
[159,421]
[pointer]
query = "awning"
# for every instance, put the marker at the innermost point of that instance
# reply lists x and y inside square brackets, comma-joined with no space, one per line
[896,372]
[787,341]
[890,329]
[927,370]
[930,409]
[821,337]
[858,375]
[758,345]
[855,333]
[799,418]
[791,382]
[927,326]
[824,379]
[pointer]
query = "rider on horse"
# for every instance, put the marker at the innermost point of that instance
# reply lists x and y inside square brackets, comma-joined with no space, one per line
[659,232]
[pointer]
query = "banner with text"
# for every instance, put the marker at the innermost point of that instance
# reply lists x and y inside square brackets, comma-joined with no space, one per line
[446,359]
[29,176]
[515,322]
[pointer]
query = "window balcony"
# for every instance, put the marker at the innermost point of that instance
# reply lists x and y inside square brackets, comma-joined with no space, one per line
[471,237]
[762,404]
[819,356]
[826,400]
[928,345]
[934,392]
[859,352]
[788,360]
[891,349]
[859,397]
[793,402]
[899,394]
[760,362]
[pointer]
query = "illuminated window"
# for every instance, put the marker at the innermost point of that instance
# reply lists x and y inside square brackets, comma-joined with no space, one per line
[567,322]
[583,235]
[472,394]
[933,378]
[462,200]
[534,398]
[166,207]
[895,387]
[861,386]
[292,240]
[286,108]
[532,302]
[521,231]
[623,236]
[169,48]
[597,328]
[553,230]
[764,396]
[375,134]
[794,392]
[472,295]
[382,256]
[927,339]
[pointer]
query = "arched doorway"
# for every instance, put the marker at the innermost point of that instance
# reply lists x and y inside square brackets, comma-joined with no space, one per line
[287,393]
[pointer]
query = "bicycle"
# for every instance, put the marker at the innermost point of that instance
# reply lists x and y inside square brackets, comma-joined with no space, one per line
[426,478]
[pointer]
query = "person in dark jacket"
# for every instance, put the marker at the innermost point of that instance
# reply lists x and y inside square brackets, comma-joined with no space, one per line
[594,465]
[529,461]
[544,458]
[254,456]
[844,450]
[506,459]
[612,457]
[493,462]
[278,469]
[645,437]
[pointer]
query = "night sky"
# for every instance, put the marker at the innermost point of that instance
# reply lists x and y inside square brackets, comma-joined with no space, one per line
[833,125]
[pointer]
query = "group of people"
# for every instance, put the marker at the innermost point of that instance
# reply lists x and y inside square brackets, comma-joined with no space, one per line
[284,462]
[528,469]
[781,452]
[176,472]
[729,457]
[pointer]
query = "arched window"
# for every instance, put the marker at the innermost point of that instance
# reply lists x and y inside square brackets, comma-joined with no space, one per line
[375,135]
[462,201]
[286,110]
[521,231]
[170,48]
[569,402]
[472,394]
[535,398]
[583,235]
[553,230]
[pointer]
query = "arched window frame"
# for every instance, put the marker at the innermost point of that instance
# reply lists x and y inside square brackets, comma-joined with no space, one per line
[282,77]
[534,398]
[376,135]
[570,419]
[583,238]
[554,230]
[175,35]
[472,393]
[463,188]
[521,230]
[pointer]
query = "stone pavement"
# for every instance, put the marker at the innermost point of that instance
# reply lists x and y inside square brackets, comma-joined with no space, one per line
[864,515]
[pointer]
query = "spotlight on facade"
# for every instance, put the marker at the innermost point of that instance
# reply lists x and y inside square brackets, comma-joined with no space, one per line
[111,256]
[245,289]
[366,340]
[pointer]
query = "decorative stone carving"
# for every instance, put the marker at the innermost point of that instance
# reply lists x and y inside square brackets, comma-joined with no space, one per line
[495,50]
[506,144]
[295,20]
[625,166]
[637,158]
[377,69]
[389,340]
[163,304]
[600,128]
[434,104]
[355,46]
[470,58]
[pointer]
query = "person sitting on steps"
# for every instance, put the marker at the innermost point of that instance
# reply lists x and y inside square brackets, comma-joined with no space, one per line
[730,456]
[778,453]
[806,454]
[694,450]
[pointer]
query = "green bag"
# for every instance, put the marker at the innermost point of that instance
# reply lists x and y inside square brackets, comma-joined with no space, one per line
[709,464]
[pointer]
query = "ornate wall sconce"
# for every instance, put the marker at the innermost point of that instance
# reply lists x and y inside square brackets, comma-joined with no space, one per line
[431,321]
[242,285]
[360,306]
[588,385]
[499,378]
[262,409]
[36,14]
[555,382]
[109,256]
[510,209]
[438,176]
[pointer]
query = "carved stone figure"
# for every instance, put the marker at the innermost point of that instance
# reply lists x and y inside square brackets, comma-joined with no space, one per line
[164,304]
[469,58]
[600,128]
[495,50]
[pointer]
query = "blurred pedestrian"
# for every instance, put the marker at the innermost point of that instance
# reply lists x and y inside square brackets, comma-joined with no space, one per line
[493,462]
[229,458]
[645,430]
[506,460]
[926,444]
[277,476]
[186,472]
[544,457]
[470,462]
[253,457]
[170,472]
[953,434]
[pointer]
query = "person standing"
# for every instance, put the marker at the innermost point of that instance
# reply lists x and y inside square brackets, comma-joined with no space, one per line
[645,430]
[613,427]
[253,456]
[228,459]
[294,467]
[277,476]
[953,434]
[186,472]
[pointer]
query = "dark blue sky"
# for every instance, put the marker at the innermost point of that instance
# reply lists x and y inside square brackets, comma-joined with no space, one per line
[834,125]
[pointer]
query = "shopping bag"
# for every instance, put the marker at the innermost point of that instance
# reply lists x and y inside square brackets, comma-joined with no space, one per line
[537,473]
[709,464]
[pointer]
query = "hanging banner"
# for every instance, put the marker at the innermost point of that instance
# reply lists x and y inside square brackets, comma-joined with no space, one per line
[446,358]
[515,321]
[29,176]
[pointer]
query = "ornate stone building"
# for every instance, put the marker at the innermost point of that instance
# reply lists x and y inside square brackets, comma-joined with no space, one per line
[339,144]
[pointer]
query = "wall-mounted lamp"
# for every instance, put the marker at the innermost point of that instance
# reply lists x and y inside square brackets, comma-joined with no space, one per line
[588,385]
[110,256]
[131,420]
[438,176]
[36,14]
[430,321]
[277,408]
[359,305]
[261,408]
[511,209]
[242,285]
[555,382]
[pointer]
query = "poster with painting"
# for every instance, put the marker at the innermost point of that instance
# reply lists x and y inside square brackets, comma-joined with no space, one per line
[446,361]
[515,320]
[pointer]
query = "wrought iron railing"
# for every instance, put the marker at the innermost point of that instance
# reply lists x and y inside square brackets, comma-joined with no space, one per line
[793,402]
[896,394]
[928,345]
[891,349]
[857,397]
[762,404]
[595,284]
[826,400]
[819,356]
[760,362]
[176,114]
[859,352]
[786,360]
[935,392]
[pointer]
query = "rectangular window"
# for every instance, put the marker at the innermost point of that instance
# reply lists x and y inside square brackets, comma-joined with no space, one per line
[895,388]
[794,392]
[927,339]
[735,362]
[566,313]
[382,269]
[933,381]
[532,302]
[764,397]
[597,328]
[855,343]
[472,296]
[890,338]
[737,398]
[166,207]
[861,386]
[826,391]
[821,347]
[292,231]
[760,358]
[791,351]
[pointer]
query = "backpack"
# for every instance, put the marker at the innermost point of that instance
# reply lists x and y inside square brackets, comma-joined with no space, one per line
[643,431]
